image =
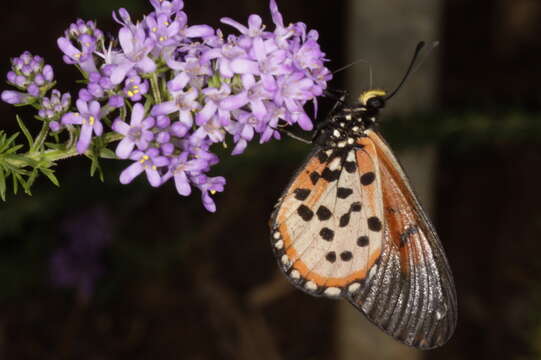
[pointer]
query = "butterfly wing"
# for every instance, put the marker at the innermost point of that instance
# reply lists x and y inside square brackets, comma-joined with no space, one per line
[327,228]
[350,226]
[412,295]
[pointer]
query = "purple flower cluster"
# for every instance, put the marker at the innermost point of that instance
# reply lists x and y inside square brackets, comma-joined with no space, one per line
[31,76]
[174,90]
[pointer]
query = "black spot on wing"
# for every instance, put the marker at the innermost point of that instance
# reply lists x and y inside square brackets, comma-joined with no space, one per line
[406,235]
[331,257]
[356,206]
[368,178]
[301,194]
[326,234]
[322,157]
[363,241]
[343,192]
[305,213]
[344,220]
[330,175]
[374,223]
[314,177]
[346,255]
[323,213]
[350,166]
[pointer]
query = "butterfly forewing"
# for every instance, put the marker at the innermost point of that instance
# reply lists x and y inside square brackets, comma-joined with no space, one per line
[328,226]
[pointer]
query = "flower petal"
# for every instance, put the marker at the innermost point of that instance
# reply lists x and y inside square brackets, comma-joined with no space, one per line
[124,148]
[131,172]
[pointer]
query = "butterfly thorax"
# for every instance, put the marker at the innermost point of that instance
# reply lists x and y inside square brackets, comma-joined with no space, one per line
[348,123]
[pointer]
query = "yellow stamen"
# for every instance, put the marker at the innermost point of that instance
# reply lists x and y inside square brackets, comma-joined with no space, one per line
[213,192]
[91,120]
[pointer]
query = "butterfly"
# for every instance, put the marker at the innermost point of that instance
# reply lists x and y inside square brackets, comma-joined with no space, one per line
[350,226]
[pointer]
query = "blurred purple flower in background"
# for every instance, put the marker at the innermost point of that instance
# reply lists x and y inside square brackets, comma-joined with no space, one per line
[78,264]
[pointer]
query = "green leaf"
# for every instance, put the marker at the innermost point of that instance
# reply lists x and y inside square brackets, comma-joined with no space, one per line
[107,153]
[55,146]
[30,181]
[96,167]
[25,131]
[5,143]
[2,184]
[16,179]
[51,176]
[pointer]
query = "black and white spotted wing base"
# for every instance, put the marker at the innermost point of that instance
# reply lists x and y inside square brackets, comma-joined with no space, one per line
[349,225]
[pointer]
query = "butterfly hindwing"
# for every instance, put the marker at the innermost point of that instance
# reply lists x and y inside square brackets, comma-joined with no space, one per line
[327,229]
[411,296]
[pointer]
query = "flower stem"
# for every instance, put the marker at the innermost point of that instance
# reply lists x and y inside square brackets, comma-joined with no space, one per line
[155,88]
[53,155]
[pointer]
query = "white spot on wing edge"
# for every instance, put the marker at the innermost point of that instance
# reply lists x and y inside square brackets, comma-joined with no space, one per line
[295,274]
[310,285]
[332,291]
[354,287]
[276,235]
[351,156]
[279,244]
[285,260]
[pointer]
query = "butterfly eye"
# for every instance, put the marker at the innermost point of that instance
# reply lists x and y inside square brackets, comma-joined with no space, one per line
[376,102]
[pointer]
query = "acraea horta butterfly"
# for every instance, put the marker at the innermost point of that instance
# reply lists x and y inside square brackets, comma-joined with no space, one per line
[350,226]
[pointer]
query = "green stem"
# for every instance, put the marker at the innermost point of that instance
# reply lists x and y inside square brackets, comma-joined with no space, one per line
[53,155]
[155,88]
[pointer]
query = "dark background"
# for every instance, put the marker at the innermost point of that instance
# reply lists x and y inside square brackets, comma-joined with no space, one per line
[102,271]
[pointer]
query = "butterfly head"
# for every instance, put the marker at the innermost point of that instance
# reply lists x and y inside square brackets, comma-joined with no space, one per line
[373,100]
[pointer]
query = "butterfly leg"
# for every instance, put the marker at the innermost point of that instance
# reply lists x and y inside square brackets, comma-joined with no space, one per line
[291,135]
[339,101]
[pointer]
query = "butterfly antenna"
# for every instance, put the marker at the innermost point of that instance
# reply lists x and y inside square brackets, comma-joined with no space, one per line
[418,49]
[370,72]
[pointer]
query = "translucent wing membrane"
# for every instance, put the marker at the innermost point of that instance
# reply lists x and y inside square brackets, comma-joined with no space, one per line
[411,296]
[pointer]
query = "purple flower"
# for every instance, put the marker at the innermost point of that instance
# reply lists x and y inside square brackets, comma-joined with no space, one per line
[163,31]
[167,7]
[253,94]
[134,87]
[136,47]
[212,185]
[183,101]
[15,97]
[255,29]
[213,105]
[81,56]
[55,105]
[89,117]
[149,162]
[181,168]
[30,73]
[136,134]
